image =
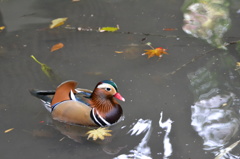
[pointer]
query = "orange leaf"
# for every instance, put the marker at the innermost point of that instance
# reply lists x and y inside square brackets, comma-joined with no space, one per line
[57,47]
[159,51]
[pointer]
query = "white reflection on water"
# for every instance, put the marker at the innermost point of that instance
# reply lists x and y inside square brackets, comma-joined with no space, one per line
[167,125]
[208,21]
[213,123]
[215,113]
[142,150]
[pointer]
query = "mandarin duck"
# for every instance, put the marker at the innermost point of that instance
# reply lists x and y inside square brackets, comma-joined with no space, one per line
[81,106]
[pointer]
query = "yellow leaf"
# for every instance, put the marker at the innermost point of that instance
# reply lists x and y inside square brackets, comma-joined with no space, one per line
[99,133]
[159,51]
[57,22]
[8,130]
[2,27]
[119,52]
[237,66]
[46,70]
[57,47]
[109,29]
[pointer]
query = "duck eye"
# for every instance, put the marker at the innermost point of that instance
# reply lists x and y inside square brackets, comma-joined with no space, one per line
[108,89]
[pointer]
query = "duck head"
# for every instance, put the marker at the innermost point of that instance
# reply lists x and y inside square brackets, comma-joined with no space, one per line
[103,95]
[106,90]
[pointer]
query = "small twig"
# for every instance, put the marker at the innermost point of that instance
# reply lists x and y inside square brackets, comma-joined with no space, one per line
[198,57]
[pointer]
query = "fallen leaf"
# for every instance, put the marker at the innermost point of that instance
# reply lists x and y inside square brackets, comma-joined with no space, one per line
[8,130]
[46,70]
[57,22]
[237,66]
[119,52]
[109,29]
[99,133]
[2,27]
[159,51]
[57,47]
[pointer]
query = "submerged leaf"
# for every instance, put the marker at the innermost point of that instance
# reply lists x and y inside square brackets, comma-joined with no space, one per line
[109,29]
[99,133]
[57,22]
[159,51]
[46,70]
[57,47]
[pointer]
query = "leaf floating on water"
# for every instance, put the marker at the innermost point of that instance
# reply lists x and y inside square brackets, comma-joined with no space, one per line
[2,28]
[46,70]
[57,22]
[237,66]
[57,47]
[170,29]
[99,133]
[109,29]
[8,130]
[119,52]
[159,51]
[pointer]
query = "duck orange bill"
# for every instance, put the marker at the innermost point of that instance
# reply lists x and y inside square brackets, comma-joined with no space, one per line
[119,96]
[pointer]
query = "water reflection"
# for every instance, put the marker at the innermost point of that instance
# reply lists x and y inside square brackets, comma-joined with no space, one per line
[167,125]
[215,113]
[142,150]
[207,19]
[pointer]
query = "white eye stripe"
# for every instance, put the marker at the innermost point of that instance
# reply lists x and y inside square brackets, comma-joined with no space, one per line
[104,85]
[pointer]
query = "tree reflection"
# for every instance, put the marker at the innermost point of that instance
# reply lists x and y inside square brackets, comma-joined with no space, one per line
[207,19]
[215,112]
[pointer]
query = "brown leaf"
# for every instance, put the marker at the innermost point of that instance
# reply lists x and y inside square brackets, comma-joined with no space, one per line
[57,47]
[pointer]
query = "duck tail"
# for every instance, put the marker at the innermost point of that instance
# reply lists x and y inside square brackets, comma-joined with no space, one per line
[45,95]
